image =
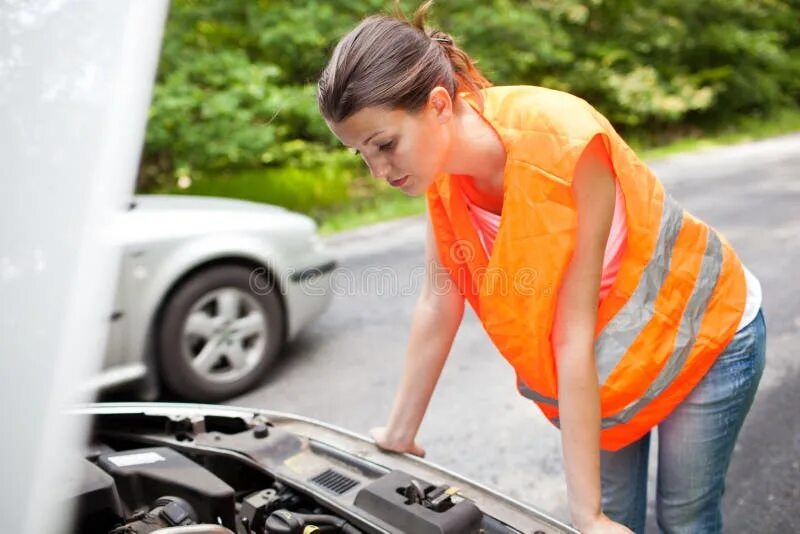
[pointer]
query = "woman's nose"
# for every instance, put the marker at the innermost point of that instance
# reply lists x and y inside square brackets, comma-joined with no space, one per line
[378,167]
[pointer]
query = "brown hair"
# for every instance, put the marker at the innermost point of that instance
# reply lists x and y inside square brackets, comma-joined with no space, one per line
[393,62]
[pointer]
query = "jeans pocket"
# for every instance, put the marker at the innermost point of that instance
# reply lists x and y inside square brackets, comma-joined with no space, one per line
[745,352]
[741,347]
[737,370]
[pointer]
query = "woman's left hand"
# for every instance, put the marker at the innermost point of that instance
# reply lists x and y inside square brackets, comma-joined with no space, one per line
[602,524]
[383,440]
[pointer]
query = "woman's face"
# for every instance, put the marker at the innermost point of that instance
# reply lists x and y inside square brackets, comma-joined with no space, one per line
[408,150]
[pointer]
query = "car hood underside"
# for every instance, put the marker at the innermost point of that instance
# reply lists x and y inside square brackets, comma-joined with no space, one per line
[175,468]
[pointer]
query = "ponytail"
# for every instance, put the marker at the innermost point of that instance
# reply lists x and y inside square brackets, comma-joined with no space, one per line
[468,78]
[393,62]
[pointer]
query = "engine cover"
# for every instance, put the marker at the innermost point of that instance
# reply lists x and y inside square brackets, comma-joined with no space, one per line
[144,475]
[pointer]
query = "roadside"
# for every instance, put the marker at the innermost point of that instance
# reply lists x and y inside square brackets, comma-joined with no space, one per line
[396,205]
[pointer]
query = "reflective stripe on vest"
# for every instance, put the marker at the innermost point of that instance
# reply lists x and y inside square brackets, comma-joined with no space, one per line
[692,315]
[527,392]
[616,338]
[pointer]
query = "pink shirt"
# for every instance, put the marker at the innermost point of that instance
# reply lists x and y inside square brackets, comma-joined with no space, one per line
[487,223]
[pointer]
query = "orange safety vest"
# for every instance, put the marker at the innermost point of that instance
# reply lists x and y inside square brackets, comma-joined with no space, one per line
[674,306]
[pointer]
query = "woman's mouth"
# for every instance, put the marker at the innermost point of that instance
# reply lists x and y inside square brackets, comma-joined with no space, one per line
[399,182]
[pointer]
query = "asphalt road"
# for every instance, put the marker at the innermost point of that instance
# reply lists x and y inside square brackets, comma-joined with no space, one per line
[344,368]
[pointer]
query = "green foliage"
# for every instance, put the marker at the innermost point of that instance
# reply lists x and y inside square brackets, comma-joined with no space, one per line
[234,104]
[303,190]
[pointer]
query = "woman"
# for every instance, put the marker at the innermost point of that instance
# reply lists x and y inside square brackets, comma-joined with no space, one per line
[619,311]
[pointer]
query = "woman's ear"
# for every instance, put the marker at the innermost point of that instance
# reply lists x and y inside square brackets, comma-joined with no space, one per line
[440,103]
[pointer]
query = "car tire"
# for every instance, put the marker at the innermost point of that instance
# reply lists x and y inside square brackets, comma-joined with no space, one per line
[219,333]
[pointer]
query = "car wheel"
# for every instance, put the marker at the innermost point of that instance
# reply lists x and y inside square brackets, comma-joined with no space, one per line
[219,335]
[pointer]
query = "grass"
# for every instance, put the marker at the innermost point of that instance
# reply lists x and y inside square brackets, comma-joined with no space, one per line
[395,205]
[745,129]
[385,207]
[296,189]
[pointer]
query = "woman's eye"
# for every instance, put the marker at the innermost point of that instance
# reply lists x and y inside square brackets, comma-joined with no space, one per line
[386,146]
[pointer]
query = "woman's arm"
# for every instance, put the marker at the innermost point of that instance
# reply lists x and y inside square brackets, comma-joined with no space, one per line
[436,319]
[573,340]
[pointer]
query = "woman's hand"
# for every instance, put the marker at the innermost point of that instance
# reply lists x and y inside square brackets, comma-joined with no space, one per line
[603,525]
[384,440]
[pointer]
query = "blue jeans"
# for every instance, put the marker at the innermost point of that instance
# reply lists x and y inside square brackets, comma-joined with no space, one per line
[695,444]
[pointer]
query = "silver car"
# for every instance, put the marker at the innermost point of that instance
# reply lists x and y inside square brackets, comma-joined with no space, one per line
[209,290]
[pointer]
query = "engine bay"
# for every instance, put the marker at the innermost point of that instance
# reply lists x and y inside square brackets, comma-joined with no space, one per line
[173,474]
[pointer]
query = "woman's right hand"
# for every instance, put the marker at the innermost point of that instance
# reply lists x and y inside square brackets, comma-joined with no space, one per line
[603,525]
[384,440]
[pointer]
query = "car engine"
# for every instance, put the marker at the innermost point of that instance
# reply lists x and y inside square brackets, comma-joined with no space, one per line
[144,474]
